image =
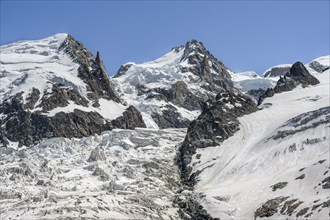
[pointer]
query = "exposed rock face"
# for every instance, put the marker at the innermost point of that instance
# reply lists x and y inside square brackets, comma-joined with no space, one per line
[269,208]
[318,67]
[29,128]
[216,74]
[169,118]
[60,97]
[277,71]
[190,207]
[279,185]
[298,75]
[256,93]
[131,119]
[122,70]
[280,205]
[91,70]
[217,122]
[26,118]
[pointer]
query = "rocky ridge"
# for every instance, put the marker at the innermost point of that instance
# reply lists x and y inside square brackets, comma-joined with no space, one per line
[298,75]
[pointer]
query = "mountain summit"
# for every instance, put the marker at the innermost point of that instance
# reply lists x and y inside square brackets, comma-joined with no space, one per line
[171,90]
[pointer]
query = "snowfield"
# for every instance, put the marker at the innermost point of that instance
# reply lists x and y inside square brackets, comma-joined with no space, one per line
[121,174]
[270,149]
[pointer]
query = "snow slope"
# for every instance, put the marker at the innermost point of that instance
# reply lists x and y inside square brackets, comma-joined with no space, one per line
[270,149]
[40,64]
[120,174]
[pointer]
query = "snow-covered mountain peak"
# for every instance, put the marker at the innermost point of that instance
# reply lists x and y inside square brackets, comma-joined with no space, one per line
[178,82]
[194,47]
[55,76]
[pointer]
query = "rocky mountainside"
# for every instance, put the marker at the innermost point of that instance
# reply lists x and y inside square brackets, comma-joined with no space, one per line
[318,65]
[72,146]
[255,86]
[54,87]
[171,91]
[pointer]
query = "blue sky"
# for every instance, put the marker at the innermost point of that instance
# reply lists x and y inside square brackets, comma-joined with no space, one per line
[244,35]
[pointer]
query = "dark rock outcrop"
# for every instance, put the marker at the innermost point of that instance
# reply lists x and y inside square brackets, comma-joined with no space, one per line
[170,118]
[191,209]
[131,119]
[277,71]
[279,185]
[318,67]
[178,94]
[29,128]
[298,75]
[60,97]
[206,66]
[91,70]
[122,70]
[269,208]
[217,122]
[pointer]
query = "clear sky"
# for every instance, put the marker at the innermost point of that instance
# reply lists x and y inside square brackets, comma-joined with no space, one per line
[244,35]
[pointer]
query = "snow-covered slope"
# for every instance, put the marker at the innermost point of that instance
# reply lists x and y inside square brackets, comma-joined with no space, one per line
[171,90]
[277,164]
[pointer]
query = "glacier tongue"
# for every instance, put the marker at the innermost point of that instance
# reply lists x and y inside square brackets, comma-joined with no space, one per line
[121,174]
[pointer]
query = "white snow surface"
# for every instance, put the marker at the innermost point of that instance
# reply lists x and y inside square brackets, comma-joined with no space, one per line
[245,166]
[120,174]
[39,64]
